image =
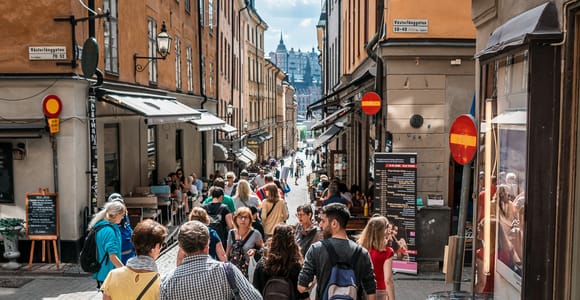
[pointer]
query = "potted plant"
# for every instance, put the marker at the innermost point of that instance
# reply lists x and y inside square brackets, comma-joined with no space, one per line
[11,229]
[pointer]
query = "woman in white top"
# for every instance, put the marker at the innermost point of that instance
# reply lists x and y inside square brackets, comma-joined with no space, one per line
[244,196]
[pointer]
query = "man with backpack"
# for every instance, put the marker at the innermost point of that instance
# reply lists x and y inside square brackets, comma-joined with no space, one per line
[343,269]
[221,219]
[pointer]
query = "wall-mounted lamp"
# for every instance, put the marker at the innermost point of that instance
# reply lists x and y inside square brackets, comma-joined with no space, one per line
[163,48]
[245,125]
[230,112]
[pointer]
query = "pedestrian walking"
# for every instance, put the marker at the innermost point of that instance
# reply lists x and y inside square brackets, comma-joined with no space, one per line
[243,240]
[139,279]
[274,209]
[307,231]
[374,239]
[108,238]
[323,256]
[126,231]
[201,277]
[216,246]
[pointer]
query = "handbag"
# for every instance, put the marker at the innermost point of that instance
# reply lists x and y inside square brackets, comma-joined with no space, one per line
[251,268]
[148,286]
[286,188]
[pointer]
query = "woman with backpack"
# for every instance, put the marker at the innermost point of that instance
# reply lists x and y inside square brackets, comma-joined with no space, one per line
[374,239]
[244,196]
[277,272]
[108,238]
[139,279]
[243,240]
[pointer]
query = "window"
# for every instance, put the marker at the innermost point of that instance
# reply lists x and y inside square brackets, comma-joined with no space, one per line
[111,38]
[152,155]
[203,74]
[187,5]
[179,147]
[189,67]
[201,13]
[112,163]
[211,76]
[6,174]
[210,15]
[177,63]
[152,50]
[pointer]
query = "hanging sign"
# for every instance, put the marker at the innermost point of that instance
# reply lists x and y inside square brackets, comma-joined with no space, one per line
[370,103]
[463,139]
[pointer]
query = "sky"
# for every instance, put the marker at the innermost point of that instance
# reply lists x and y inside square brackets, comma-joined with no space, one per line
[296,19]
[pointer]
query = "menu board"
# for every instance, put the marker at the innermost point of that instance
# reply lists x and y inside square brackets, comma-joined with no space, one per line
[42,216]
[395,198]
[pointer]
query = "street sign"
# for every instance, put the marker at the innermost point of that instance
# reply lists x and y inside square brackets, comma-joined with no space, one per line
[370,103]
[51,106]
[463,139]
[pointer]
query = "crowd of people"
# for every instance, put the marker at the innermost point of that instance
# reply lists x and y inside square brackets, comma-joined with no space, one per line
[238,243]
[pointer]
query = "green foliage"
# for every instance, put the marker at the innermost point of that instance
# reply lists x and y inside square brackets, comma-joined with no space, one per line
[10,227]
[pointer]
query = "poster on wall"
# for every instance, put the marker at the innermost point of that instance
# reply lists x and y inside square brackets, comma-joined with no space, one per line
[395,198]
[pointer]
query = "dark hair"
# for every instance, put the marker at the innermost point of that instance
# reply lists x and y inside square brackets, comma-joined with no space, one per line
[268,178]
[354,188]
[217,192]
[333,189]
[342,187]
[146,235]
[219,182]
[283,251]
[182,179]
[305,208]
[338,212]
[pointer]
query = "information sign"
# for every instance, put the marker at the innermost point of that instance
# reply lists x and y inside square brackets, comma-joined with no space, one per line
[42,216]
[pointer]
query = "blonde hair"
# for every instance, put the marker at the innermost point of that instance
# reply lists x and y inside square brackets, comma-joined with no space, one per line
[199,214]
[243,211]
[373,236]
[243,191]
[109,212]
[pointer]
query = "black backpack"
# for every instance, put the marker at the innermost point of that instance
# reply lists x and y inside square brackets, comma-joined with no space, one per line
[279,288]
[89,254]
[216,221]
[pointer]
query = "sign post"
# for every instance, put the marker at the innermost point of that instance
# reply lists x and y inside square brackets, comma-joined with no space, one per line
[463,146]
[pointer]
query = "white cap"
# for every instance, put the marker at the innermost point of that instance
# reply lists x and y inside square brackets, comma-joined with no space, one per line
[116,197]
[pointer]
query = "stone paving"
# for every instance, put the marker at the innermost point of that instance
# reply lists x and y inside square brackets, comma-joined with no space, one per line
[71,283]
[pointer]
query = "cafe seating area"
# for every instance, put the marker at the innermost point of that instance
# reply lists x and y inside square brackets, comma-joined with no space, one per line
[154,202]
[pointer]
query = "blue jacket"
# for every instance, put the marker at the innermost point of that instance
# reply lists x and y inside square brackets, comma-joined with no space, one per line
[108,242]
[126,244]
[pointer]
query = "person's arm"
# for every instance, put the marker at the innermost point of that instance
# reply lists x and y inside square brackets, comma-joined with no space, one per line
[106,297]
[221,254]
[388,273]
[115,260]
[306,276]
[368,276]
[230,220]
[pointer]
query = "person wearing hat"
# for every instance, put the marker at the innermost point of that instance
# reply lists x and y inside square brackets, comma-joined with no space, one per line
[127,249]
[323,183]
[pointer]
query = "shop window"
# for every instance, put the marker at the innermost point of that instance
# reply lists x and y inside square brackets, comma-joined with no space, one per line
[6,174]
[112,164]
[152,49]
[152,173]
[179,148]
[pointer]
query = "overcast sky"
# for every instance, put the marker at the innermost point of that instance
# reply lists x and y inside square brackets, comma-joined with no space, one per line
[296,19]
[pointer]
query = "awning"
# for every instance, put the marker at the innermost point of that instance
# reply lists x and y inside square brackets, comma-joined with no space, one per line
[540,23]
[208,122]
[156,109]
[220,152]
[256,139]
[327,136]
[21,130]
[229,129]
[515,117]
[339,114]
[241,157]
[249,154]
[323,101]
[266,135]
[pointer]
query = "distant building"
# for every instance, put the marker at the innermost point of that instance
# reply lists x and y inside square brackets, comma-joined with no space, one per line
[303,73]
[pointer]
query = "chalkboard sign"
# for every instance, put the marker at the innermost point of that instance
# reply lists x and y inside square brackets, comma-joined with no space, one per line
[42,216]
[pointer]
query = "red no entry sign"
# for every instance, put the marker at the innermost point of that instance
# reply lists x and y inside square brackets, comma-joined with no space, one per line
[463,139]
[370,103]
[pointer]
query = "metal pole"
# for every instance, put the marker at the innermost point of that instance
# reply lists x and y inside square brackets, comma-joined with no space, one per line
[93,148]
[459,251]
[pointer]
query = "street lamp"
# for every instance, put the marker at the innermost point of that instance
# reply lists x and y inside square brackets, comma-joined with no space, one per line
[230,111]
[163,48]
[245,125]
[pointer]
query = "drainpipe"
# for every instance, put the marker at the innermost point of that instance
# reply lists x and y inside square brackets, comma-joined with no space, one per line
[257,75]
[379,77]
[240,58]
[202,92]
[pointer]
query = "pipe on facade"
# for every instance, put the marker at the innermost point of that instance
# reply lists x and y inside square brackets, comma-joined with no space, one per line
[379,77]
[240,71]
[257,73]
[201,90]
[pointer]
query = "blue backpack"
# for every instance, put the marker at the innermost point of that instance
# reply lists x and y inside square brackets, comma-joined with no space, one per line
[342,283]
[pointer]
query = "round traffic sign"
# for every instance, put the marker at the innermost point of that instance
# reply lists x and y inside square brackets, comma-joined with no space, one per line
[370,103]
[463,139]
[51,106]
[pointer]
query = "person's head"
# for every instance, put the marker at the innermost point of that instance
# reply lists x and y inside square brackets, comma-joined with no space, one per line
[268,178]
[342,187]
[254,211]
[261,172]
[199,214]
[334,218]
[217,193]
[114,212]
[193,238]
[179,173]
[402,243]
[272,192]
[333,189]
[194,176]
[395,230]
[218,174]
[244,175]
[354,189]
[173,176]
[304,214]
[115,197]
[283,251]
[323,178]
[148,238]
[219,182]
[230,177]
[189,180]
[243,218]
[373,236]
[244,190]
